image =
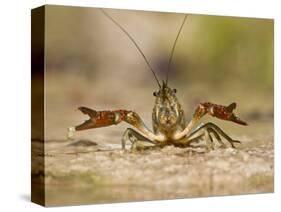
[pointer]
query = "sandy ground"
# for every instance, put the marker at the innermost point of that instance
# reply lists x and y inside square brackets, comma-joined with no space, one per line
[92,168]
[83,171]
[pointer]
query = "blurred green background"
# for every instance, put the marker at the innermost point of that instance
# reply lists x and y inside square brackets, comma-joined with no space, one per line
[211,49]
[91,62]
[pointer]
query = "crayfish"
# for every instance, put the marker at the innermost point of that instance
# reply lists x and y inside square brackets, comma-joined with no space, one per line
[168,119]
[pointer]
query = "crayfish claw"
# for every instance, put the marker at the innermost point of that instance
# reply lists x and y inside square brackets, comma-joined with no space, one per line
[88,111]
[220,111]
[231,107]
[101,118]
[237,120]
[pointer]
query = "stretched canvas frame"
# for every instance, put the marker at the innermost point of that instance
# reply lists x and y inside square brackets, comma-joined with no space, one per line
[81,58]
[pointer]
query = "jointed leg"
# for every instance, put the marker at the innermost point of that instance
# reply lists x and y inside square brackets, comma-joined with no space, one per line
[218,130]
[135,138]
[207,134]
[209,138]
[196,137]
[186,142]
[222,133]
[218,138]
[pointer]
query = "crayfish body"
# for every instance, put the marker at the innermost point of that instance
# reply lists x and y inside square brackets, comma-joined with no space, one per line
[168,119]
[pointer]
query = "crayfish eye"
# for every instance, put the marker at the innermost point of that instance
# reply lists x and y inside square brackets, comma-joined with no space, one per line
[175,90]
[154,93]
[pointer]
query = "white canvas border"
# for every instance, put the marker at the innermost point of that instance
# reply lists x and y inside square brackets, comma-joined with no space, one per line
[15,104]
